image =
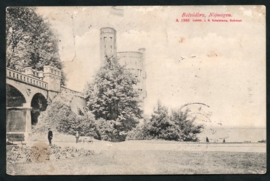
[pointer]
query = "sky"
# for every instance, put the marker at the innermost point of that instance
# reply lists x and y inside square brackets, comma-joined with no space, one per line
[222,65]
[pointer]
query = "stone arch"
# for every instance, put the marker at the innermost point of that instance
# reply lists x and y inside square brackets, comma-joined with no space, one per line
[34,93]
[15,96]
[38,104]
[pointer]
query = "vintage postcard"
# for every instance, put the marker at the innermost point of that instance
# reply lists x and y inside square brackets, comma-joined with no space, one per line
[136,90]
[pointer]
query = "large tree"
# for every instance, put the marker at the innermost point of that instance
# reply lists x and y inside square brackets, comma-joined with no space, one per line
[112,96]
[161,126]
[186,125]
[30,42]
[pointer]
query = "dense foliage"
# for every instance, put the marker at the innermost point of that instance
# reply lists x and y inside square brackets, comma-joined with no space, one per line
[178,126]
[59,117]
[30,42]
[188,130]
[113,99]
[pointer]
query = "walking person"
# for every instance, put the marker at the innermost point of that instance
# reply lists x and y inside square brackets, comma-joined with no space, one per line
[77,136]
[50,136]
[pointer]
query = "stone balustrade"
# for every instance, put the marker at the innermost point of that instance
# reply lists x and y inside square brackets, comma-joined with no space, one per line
[19,76]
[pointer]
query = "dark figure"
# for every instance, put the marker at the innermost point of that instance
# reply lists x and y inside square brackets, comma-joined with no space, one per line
[50,136]
[77,136]
[224,141]
[207,140]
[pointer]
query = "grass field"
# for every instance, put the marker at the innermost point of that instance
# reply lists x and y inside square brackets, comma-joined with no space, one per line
[148,158]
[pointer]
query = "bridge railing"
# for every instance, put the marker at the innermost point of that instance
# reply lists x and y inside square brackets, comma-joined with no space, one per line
[13,74]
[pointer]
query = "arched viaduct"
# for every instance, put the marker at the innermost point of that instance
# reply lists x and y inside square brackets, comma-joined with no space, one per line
[28,93]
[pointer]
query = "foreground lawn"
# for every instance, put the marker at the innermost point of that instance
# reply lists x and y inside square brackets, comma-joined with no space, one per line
[148,162]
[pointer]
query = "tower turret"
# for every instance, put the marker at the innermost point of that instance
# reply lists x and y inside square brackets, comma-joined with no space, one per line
[53,77]
[107,43]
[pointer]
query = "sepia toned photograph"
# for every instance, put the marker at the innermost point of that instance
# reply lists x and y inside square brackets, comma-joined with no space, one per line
[135,90]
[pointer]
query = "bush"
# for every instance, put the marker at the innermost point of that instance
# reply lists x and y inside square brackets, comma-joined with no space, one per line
[72,123]
[139,133]
[41,152]
[108,130]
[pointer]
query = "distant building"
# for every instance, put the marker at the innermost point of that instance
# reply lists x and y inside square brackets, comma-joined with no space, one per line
[134,60]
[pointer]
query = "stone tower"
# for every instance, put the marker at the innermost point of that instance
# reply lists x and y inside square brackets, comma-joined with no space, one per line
[52,76]
[134,62]
[107,43]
